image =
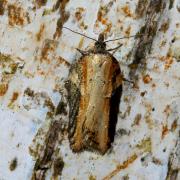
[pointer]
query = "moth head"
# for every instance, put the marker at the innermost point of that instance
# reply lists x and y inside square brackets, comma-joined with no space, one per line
[100,45]
[101,37]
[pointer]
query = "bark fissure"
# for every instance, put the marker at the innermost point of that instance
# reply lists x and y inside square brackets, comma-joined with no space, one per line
[148,32]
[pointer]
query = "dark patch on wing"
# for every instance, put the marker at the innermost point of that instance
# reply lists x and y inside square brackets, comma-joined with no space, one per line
[114,109]
[114,102]
[73,98]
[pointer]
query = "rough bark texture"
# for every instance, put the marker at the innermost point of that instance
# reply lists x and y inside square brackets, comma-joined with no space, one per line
[147,31]
[36,54]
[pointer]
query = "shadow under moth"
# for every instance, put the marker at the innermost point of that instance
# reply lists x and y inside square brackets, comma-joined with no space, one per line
[94,89]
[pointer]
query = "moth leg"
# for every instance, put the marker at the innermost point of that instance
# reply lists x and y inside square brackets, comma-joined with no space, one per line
[124,79]
[114,48]
[81,51]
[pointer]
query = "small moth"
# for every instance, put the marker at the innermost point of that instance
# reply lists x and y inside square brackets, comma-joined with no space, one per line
[94,89]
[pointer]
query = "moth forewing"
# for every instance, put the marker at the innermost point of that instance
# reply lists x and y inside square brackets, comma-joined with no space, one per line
[94,90]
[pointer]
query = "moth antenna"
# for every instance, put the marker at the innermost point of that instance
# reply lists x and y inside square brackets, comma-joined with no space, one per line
[79,33]
[126,37]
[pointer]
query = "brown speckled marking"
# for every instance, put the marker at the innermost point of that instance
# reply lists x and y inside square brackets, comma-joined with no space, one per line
[79,13]
[63,18]
[102,17]
[58,166]
[2,6]
[17,15]
[122,166]
[141,8]
[13,164]
[147,79]
[40,3]
[13,98]
[3,89]
[165,131]
[63,61]
[40,33]
[48,48]
[174,163]
[165,26]
[127,12]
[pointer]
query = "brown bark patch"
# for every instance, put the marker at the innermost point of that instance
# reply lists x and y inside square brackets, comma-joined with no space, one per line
[120,167]
[3,89]
[174,125]
[164,131]
[63,18]
[47,49]
[148,32]
[13,99]
[168,60]
[128,31]
[168,110]
[40,33]
[141,8]
[13,164]
[15,96]
[40,3]
[164,27]
[126,10]
[79,13]
[101,17]
[137,119]
[63,61]
[91,177]
[58,166]
[17,15]
[147,79]
[2,6]
[48,157]
[145,145]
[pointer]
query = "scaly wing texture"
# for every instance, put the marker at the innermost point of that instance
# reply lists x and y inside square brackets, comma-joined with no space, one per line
[100,76]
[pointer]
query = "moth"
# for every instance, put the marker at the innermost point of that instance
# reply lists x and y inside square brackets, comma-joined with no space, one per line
[94,88]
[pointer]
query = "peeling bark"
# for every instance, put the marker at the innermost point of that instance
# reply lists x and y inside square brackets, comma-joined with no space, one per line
[174,163]
[49,156]
[148,32]
[63,17]
[44,161]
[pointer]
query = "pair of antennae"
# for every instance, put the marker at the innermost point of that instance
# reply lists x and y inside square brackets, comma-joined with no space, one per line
[97,40]
[79,33]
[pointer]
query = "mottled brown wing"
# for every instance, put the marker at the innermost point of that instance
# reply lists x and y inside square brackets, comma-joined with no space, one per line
[93,94]
[73,89]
